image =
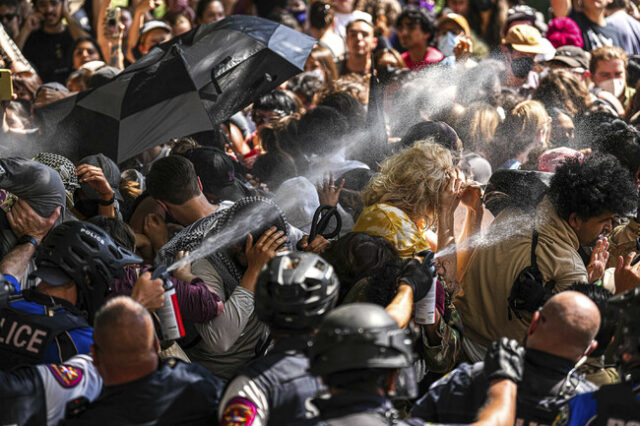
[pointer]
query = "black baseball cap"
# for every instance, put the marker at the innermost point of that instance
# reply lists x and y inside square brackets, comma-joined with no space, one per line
[217,173]
[572,56]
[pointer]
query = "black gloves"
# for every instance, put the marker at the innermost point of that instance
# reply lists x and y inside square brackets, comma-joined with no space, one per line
[419,276]
[504,360]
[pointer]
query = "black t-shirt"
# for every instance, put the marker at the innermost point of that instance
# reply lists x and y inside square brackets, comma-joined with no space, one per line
[50,54]
[594,35]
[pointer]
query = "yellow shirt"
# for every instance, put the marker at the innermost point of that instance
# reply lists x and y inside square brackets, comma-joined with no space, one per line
[395,226]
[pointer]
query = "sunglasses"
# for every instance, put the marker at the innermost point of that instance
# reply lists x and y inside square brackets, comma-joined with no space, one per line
[8,17]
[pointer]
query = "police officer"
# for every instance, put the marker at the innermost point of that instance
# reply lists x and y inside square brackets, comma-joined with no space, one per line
[617,404]
[560,335]
[37,395]
[358,352]
[76,262]
[294,292]
[139,388]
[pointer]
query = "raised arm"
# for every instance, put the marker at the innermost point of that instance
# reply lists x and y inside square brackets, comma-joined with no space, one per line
[74,27]
[24,221]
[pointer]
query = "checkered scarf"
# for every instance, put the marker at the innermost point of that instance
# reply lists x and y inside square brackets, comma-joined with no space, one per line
[191,237]
[65,168]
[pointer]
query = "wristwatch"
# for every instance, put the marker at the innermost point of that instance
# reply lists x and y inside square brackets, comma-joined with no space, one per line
[28,239]
[107,202]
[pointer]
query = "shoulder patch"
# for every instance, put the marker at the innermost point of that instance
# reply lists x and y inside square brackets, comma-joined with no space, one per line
[564,415]
[239,411]
[66,375]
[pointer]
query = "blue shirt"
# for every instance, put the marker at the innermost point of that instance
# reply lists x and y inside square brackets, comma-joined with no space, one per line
[82,337]
[582,409]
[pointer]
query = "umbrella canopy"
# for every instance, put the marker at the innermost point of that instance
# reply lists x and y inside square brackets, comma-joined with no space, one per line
[185,86]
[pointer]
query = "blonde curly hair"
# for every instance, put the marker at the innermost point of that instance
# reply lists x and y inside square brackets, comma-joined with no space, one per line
[412,180]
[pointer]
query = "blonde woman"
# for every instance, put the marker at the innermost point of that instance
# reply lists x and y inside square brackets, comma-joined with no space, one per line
[525,129]
[414,190]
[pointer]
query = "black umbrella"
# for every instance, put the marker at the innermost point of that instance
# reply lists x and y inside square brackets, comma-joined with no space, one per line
[185,86]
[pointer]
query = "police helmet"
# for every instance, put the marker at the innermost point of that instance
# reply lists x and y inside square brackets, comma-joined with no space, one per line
[83,253]
[627,336]
[295,291]
[359,336]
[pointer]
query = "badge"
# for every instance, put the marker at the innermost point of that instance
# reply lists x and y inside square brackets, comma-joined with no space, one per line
[239,411]
[66,375]
[564,414]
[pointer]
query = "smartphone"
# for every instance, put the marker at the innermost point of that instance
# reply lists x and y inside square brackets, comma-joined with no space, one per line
[113,21]
[6,85]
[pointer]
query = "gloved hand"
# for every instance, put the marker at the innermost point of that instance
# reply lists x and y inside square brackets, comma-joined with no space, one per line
[418,277]
[504,360]
[429,262]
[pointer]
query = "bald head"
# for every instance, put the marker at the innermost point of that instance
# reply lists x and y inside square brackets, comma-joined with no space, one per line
[125,347]
[566,325]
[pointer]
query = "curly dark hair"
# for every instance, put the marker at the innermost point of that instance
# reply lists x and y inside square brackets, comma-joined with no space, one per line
[587,125]
[598,185]
[620,140]
[358,255]
[418,16]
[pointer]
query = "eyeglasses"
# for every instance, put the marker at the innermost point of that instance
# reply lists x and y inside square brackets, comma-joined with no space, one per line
[7,17]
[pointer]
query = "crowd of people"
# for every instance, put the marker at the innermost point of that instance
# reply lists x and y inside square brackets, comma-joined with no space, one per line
[436,221]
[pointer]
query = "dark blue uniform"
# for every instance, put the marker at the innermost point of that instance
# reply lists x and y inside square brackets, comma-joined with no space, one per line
[275,389]
[41,329]
[617,404]
[546,386]
[177,393]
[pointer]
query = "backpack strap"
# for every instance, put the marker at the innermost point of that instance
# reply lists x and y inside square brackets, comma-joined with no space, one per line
[534,244]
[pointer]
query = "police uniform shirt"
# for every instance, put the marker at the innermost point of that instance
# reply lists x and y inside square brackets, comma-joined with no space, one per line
[617,405]
[28,337]
[62,383]
[37,395]
[175,393]
[273,389]
[547,384]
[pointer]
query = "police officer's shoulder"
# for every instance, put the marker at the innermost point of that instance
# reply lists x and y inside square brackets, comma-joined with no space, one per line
[70,386]
[464,375]
[454,397]
[192,372]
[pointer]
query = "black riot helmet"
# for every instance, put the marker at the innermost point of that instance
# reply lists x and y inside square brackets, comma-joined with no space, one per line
[359,336]
[295,290]
[627,336]
[85,254]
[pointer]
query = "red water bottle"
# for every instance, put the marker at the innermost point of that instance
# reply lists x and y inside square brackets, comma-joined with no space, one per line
[171,326]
